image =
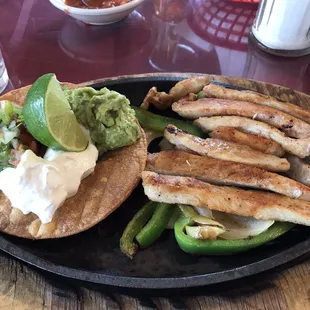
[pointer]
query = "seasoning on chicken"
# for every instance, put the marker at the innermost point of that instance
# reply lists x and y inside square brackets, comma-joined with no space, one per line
[255,142]
[291,125]
[221,92]
[298,147]
[225,150]
[224,172]
[190,191]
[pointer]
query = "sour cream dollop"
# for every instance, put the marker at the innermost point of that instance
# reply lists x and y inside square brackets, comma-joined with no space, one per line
[41,185]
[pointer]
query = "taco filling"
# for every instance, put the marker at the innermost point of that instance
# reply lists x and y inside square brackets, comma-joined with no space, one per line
[14,139]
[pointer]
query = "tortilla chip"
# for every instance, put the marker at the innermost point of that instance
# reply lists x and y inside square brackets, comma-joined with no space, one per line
[113,180]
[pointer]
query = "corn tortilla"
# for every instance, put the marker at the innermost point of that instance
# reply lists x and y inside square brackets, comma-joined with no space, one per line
[113,180]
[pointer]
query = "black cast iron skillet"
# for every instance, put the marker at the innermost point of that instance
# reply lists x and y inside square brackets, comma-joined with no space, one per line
[94,256]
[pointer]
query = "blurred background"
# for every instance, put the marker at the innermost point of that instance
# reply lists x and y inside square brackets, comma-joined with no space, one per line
[207,36]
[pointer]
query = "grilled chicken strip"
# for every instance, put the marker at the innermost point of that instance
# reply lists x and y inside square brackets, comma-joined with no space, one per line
[298,147]
[193,85]
[291,125]
[224,172]
[225,150]
[260,205]
[162,100]
[221,92]
[255,142]
[299,171]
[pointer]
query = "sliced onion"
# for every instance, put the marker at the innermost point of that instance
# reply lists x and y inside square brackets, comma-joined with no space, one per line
[204,212]
[12,124]
[204,227]
[204,232]
[240,227]
[15,143]
[8,135]
[237,227]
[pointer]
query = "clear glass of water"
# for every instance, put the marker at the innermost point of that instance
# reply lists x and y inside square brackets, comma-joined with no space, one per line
[4,78]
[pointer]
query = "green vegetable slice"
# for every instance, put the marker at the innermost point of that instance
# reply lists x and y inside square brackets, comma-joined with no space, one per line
[127,244]
[216,247]
[7,112]
[156,225]
[200,95]
[158,123]
[174,217]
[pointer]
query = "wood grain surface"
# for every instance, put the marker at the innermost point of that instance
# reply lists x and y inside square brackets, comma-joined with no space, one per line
[23,287]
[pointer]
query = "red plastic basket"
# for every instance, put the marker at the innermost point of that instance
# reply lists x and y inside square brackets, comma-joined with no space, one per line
[223,23]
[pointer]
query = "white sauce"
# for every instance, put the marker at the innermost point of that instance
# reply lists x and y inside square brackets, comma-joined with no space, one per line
[283,24]
[41,185]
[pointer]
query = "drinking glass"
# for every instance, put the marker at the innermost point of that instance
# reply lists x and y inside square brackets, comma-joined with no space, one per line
[4,78]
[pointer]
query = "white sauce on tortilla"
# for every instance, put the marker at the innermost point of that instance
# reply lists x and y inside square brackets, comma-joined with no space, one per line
[41,185]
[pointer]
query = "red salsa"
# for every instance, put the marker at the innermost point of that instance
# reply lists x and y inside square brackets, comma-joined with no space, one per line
[95,4]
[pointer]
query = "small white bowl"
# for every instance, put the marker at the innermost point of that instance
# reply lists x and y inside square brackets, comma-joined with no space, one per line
[98,16]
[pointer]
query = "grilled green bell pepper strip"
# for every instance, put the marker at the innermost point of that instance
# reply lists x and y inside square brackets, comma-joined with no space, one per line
[174,217]
[127,243]
[217,247]
[201,95]
[156,225]
[158,123]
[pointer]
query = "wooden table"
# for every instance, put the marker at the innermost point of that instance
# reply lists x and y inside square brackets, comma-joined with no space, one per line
[22,287]
[36,38]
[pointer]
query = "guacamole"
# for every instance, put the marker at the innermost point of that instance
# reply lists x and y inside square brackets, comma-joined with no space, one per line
[107,115]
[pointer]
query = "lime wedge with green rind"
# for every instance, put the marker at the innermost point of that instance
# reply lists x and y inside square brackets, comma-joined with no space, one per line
[49,118]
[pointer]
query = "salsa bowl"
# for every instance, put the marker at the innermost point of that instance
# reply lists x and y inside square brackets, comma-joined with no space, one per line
[98,16]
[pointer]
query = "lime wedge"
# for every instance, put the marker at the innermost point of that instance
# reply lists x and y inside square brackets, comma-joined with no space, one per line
[49,118]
